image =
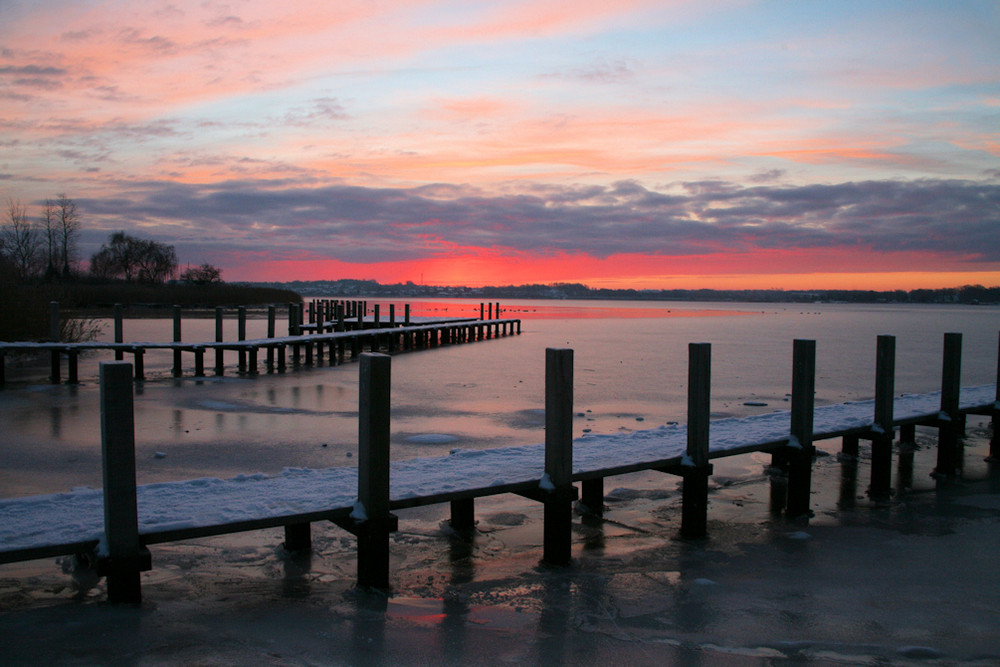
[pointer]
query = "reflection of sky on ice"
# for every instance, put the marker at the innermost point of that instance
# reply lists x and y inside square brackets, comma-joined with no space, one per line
[630,374]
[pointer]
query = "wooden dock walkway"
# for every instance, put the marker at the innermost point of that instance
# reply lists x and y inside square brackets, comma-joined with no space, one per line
[307,344]
[118,523]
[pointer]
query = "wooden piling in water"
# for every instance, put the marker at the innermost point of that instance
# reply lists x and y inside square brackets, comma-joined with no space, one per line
[298,537]
[220,361]
[271,315]
[592,495]
[883,431]
[125,557]
[850,446]
[119,331]
[801,450]
[696,469]
[72,361]
[54,376]
[463,514]
[177,339]
[373,472]
[294,328]
[140,369]
[995,417]
[241,334]
[948,422]
[559,492]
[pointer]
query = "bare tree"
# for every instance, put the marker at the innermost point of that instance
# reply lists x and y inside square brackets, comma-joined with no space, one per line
[20,241]
[69,228]
[52,237]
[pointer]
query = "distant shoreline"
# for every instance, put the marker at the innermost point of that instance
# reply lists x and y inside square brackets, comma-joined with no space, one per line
[968,294]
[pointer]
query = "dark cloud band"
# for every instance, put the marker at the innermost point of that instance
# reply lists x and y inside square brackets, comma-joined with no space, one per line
[364,224]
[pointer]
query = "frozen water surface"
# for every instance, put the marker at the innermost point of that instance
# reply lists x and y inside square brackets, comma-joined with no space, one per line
[911,582]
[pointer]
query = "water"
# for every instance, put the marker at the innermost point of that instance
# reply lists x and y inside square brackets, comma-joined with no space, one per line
[630,373]
[903,583]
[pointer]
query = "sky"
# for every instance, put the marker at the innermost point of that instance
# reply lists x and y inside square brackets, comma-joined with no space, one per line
[633,144]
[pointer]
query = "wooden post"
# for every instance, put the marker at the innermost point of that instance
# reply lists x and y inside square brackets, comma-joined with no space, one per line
[294,329]
[271,312]
[373,471]
[378,320]
[406,314]
[558,481]
[948,425]
[121,525]
[995,440]
[849,446]
[220,358]
[241,334]
[199,362]
[592,495]
[72,355]
[392,315]
[54,337]
[696,468]
[491,310]
[119,331]
[482,310]
[3,367]
[340,317]
[907,435]
[298,537]
[883,431]
[177,339]
[140,372]
[801,450]
[463,514]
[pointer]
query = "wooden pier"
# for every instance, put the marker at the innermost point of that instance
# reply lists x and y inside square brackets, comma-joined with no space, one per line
[118,524]
[307,344]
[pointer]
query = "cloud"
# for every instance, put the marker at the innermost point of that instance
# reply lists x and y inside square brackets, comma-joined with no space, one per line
[366,224]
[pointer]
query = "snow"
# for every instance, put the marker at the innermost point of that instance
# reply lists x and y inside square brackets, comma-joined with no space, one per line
[545,483]
[77,516]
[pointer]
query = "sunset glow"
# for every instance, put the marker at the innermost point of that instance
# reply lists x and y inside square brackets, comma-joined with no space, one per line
[641,144]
